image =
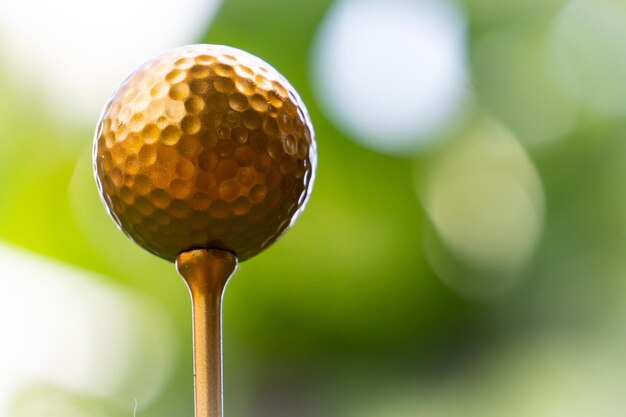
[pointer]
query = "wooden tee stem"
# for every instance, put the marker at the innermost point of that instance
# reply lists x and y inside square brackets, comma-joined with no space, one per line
[206,272]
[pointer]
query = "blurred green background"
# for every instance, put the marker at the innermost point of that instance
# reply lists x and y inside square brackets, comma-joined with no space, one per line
[462,253]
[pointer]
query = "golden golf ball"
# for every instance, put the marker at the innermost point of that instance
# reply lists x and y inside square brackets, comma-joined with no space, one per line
[204,146]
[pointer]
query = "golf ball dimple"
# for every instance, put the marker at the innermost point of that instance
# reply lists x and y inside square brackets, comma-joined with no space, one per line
[205,146]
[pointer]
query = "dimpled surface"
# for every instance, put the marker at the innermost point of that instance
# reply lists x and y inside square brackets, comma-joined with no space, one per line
[205,146]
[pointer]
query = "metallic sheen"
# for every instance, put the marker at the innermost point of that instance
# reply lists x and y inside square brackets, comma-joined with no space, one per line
[205,146]
[206,273]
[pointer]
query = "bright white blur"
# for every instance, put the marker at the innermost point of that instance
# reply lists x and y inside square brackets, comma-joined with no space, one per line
[74,52]
[67,328]
[391,73]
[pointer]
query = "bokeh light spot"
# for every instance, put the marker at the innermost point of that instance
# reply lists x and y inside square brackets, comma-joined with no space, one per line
[74,52]
[64,326]
[486,203]
[515,80]
[392,73]
[589,39]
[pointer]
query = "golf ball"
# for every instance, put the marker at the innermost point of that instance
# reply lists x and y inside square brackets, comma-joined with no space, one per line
[204,146]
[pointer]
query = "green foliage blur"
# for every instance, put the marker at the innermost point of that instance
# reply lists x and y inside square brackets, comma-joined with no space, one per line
[347,314]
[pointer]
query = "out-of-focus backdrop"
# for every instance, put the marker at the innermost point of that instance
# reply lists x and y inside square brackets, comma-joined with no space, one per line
[463,253]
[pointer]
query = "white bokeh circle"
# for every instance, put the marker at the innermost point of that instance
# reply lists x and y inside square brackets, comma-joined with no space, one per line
[392,74]
[73,53]
[66,327]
